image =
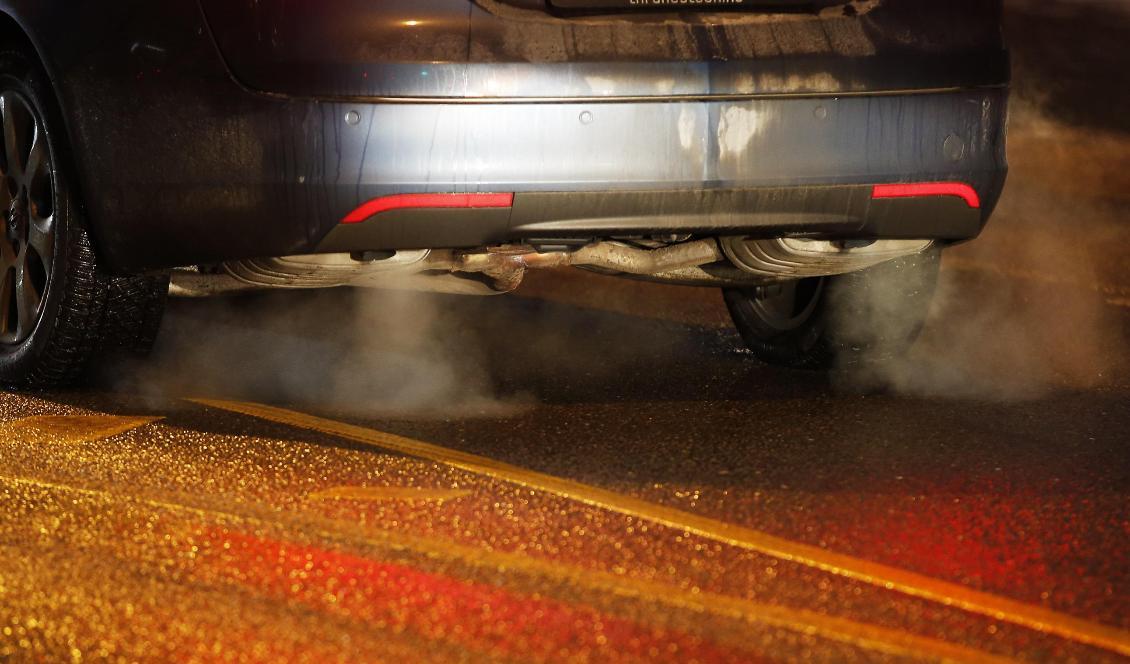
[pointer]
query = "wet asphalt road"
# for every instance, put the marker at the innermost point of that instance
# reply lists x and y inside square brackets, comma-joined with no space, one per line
[589,471]
[592,470]
[143,526]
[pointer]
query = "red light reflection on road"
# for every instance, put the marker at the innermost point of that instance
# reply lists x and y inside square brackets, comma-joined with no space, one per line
[477,616]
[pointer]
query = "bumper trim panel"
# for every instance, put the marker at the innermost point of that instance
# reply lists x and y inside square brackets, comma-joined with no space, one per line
[824,211]
[959,189]
[410,201]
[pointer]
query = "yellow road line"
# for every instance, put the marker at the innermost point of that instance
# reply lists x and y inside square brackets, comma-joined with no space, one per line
[382,493]
[842,630]
[884,576]
[71,428]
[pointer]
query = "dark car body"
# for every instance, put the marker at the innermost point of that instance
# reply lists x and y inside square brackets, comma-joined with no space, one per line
[221,129]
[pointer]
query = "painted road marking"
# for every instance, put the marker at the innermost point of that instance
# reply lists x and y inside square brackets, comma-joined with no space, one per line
[862,635]
[71,428]
[884,576]
[388,493]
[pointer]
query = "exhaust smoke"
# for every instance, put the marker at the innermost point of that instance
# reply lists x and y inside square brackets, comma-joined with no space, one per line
[1036,303]
[364,351]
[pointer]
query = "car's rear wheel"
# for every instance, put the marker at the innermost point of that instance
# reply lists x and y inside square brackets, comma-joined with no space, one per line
[872,315]
[57,307]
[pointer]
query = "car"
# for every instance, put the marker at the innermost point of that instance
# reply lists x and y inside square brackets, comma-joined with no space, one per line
[810,158]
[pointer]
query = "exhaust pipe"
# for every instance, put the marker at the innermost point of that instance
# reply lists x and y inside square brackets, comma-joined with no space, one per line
[738,261]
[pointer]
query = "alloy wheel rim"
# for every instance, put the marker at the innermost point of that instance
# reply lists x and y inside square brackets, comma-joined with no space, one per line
[27,200]
[787,305]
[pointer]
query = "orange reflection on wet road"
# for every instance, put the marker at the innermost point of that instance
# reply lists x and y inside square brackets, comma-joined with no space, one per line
[890,578]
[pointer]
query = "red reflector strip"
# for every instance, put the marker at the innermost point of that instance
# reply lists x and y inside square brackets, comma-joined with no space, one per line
[409,201]
[959,189]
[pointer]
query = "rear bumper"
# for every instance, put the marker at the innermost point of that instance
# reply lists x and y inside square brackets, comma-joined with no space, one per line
[280,175]
[756,166]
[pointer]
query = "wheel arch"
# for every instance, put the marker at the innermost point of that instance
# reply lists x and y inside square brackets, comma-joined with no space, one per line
[15,31]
